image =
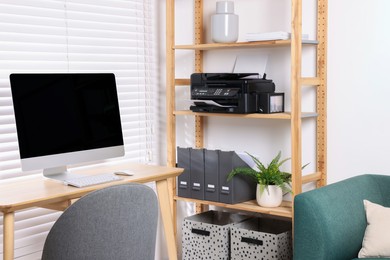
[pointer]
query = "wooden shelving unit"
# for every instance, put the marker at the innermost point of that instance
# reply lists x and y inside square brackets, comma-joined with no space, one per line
[295,116]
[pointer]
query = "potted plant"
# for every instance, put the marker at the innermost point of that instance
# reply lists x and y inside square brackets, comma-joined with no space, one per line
[271,181]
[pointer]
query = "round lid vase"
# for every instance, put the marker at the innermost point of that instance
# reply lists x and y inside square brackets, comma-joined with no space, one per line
[224,23]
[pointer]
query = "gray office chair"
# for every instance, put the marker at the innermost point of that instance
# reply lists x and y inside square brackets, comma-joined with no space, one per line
[117,222]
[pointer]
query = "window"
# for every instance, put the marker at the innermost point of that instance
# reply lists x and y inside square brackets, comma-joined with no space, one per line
[78,36]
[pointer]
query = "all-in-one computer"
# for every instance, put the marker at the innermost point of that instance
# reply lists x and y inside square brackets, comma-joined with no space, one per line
[66,118]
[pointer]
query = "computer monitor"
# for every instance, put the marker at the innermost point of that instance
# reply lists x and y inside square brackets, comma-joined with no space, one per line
[64,119]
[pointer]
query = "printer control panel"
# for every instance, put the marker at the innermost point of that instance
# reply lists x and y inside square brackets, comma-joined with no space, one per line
[214,92]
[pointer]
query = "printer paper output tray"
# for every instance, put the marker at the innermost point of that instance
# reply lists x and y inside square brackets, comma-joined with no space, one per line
[214,109]
[211,106]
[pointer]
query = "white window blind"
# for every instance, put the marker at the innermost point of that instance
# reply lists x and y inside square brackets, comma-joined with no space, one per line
[77,36]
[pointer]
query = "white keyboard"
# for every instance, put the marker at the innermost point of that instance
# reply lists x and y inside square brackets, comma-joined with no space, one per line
[92,180]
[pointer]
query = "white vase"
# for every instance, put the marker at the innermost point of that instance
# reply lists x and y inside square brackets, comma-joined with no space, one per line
[224,24]
[271,197]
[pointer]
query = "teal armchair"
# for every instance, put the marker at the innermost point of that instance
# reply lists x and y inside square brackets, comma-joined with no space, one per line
[329,222]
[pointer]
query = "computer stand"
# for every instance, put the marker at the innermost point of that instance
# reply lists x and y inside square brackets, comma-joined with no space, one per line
[60,174]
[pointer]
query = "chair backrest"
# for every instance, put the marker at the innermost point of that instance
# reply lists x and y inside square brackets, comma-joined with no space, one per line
[117,222]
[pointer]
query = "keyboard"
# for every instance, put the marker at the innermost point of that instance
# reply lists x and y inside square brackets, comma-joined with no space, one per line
[92,180]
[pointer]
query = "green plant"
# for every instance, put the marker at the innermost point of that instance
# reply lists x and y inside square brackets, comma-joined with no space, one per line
[270,175]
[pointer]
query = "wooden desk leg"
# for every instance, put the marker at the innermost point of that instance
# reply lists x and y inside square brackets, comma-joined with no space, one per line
[8,236]
[166,215]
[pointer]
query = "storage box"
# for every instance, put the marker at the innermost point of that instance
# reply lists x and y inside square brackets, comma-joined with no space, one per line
[206,235]
[261,238]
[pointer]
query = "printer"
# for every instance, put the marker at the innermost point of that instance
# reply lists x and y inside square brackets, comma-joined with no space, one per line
[239,93]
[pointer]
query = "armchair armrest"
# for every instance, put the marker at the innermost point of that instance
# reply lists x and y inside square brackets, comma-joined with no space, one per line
[329,222]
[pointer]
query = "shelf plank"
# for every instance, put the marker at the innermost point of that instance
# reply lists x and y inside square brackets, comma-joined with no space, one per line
[257,44]
[311,177]
[285,210]
[182,82]
[315,81]
[286,115]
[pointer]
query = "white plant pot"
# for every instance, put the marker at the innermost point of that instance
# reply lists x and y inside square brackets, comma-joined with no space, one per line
[269,198]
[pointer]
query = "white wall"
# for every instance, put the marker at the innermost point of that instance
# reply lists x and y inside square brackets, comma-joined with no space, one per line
[358,88]
[358,91]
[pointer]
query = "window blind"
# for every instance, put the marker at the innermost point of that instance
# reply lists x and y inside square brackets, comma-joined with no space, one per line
[77,36]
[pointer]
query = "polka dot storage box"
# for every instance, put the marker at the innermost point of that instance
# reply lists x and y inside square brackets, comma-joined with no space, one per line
[206,235]
[261,239]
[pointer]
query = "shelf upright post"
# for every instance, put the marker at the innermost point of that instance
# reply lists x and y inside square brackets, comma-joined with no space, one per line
[199,120]
[170,82]
[170,100]
[198,31]
[322,30]
[296,78]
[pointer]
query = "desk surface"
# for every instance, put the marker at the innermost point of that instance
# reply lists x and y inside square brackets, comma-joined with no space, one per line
[35,191]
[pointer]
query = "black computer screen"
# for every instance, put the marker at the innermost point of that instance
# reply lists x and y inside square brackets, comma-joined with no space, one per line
[61,113]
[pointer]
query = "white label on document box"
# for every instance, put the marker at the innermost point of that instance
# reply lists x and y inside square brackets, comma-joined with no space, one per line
[196,184]
[183,183]
[225,188]
[210,186]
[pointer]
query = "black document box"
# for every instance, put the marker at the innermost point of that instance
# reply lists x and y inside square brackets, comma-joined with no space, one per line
[183,180]
[211,175]
[197,174]
[240,188]
[205,176]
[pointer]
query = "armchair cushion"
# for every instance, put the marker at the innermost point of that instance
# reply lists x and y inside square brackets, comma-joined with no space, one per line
[376,242]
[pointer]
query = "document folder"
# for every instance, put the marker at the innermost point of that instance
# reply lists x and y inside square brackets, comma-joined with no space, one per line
[225,167]
[205,176]
[243,187]
[240,188]
[211,175]
[197,174]
[183,180]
